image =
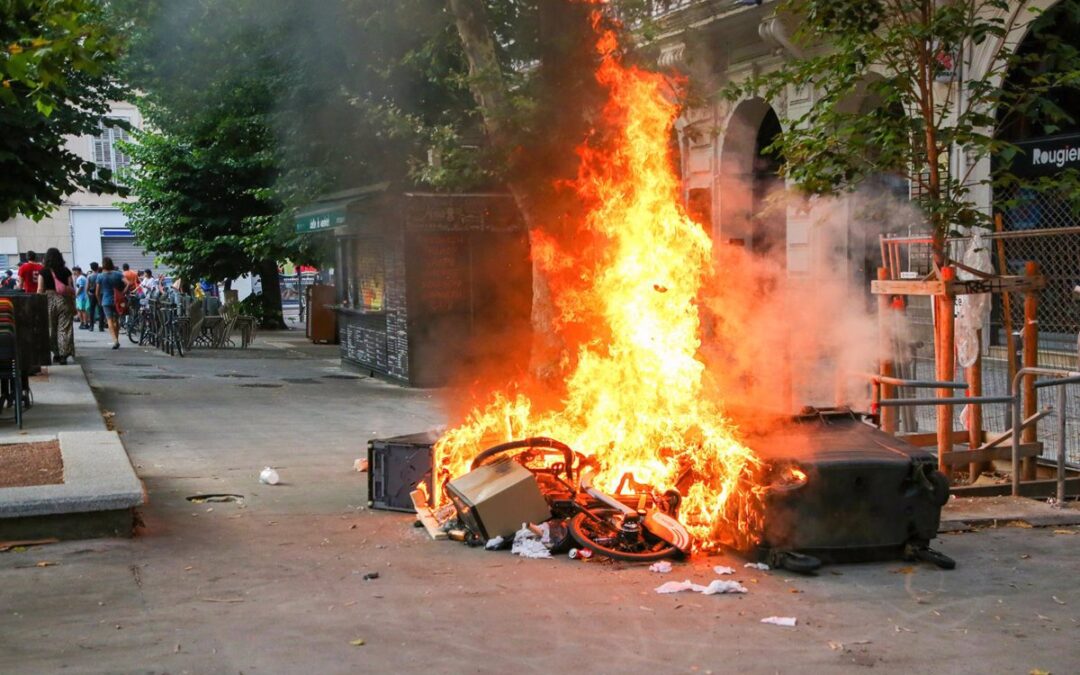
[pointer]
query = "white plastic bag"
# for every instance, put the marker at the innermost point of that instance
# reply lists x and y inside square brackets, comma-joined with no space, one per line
[972,310]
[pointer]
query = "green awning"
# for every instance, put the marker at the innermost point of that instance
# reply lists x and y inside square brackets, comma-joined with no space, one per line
[322,220]
[328,212]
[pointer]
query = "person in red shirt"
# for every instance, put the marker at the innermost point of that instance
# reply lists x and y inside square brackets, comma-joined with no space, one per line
[28,272]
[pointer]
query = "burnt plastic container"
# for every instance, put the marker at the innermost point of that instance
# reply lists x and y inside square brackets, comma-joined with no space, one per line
[396,466]
[866,496]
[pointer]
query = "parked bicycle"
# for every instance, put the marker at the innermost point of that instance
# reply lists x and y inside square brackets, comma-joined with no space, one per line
[160,325]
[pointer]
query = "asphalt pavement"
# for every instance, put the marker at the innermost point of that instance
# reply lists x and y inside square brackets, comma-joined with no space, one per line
[274,582]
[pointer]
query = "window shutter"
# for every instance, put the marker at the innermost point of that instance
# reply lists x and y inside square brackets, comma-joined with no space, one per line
[120,159]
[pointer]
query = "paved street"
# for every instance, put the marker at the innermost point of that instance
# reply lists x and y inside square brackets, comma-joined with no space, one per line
[275,584]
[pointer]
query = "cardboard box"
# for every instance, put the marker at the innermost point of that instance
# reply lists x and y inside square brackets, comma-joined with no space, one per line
[496,499]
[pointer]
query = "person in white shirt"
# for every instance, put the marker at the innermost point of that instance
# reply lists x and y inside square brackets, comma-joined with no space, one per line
[148,284]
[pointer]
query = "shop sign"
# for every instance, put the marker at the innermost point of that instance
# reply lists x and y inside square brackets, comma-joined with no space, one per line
[313,222]
[1047,156]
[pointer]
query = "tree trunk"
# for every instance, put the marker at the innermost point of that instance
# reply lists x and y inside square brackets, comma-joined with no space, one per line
[271,295]
[489,90]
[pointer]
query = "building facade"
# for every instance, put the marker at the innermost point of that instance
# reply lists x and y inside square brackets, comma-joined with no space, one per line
[728,177]
[86,226]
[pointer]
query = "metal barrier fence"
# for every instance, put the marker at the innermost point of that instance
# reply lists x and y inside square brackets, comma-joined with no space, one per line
[997,417]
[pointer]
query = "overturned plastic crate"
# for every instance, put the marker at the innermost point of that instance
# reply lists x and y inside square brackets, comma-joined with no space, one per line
[396,466]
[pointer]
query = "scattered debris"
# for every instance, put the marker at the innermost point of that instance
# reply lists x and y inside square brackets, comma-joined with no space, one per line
[1066,531]
[757,566]
[269,477]
[780,620]
[718,586]
[836,646]
[370,576]
[678,587]
[662,567]
[1022,524]
[579,553]
[528,544]
[45,563]
[425,516]
[358,642]
[1057,599]
[22,545]
[720,569]
[495,543]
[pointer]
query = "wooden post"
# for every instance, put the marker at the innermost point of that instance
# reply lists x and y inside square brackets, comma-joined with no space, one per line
[946,368]
[1031,360]
[975,420]
[885,355]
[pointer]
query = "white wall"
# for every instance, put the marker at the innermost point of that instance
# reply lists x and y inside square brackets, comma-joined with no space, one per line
[86,227]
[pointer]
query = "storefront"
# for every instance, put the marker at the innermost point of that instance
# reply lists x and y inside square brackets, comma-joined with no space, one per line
[427,285]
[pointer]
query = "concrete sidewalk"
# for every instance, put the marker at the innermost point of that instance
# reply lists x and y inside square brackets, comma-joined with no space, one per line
[62,402]
[273,583]
[99,488]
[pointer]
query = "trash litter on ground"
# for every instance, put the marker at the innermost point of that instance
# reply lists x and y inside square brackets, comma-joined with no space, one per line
[663,567]
[529,544]
[716,587]
[269,477]
[757,566]
[780,620]
[720,569]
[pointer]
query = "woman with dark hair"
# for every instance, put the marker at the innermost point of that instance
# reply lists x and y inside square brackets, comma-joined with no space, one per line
[111,282]
[56,282]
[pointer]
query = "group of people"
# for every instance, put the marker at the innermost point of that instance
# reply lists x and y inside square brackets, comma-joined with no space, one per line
[97,297]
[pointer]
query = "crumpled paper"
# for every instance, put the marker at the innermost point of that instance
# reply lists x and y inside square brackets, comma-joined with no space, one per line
[780,620]
[663,567]
[494,544]
[720,569]
[757,566]
[528,544]
[718,586]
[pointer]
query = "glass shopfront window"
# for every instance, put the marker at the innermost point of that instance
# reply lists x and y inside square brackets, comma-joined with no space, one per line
[367,280]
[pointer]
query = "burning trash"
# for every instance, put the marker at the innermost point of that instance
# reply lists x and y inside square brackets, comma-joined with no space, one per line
[634,453]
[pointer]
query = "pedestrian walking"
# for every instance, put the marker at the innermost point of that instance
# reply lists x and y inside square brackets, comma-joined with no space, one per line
[82,302]
[94,305]
[56,283]
[28,273]
[111,287]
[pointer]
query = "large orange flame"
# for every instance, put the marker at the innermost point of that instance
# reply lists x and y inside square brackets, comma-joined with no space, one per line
[635,398]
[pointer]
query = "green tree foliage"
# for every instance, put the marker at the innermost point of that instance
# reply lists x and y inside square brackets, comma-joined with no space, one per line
[57,76]
[909,61]
[254,107]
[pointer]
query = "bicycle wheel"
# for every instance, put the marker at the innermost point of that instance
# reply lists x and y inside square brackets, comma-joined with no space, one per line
[603,536]
[134,329]
[178,341]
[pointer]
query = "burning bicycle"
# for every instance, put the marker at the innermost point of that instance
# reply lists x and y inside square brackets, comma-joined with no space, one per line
[634,523]
[829,488]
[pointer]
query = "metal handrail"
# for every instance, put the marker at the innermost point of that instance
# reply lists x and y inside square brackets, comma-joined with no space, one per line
[1062,378]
